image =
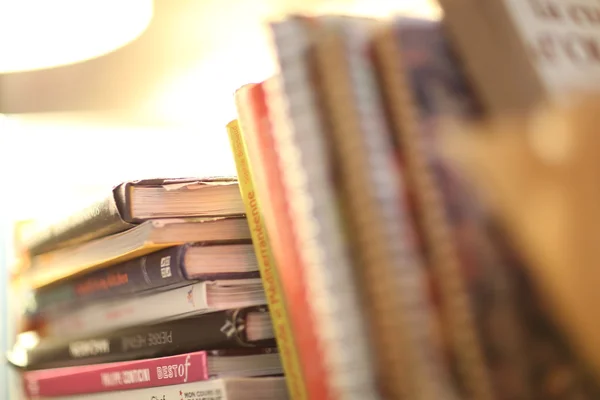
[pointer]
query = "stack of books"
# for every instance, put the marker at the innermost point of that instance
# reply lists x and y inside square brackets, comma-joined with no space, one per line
[153,290]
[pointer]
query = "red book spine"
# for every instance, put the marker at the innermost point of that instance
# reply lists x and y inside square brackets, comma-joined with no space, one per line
[109,377]
[277,214]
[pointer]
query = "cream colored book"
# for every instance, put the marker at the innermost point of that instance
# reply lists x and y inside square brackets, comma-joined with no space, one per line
[521,53]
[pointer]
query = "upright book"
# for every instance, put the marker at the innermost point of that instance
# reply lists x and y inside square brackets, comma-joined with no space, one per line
[520,54]
[422,83]
[309,177]
[266,168]
[271,279]
[387,256]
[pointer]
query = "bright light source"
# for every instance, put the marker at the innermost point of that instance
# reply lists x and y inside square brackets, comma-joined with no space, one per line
[204,90]
[380,8]
[37,34]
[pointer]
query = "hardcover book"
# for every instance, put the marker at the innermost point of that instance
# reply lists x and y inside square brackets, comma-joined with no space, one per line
[158,271]
[130,203]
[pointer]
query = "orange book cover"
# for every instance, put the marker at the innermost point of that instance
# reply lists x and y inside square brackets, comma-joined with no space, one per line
[253,111]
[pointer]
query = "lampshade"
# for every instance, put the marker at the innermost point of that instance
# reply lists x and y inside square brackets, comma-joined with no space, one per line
[36,34]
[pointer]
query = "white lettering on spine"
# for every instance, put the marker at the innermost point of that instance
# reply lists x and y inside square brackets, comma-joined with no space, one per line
[130,377]
[165,267]
[151,339]
[159,338]
[89,348]
[136,376]
[111,379]
[174,370]
[133,342]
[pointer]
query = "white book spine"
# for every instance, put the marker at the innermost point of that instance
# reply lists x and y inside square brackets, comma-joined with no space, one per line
[135,311]
[207,390]
[213,389]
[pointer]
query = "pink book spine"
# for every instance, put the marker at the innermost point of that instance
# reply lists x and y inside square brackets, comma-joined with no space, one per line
[173,370]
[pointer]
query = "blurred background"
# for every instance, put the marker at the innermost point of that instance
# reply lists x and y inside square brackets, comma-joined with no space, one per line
[91,89]
[85,84]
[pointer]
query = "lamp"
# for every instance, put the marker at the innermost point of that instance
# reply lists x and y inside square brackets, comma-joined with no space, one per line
[37,34]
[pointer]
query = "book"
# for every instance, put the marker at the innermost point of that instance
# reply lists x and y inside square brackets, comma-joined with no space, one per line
[409,361]
[495,323]
[164,371]
[422,84]
[130,203]
[554,302]
[261,152]
[197,298]
[245,327]
[484,41]
[161,270]
[267,388]
[309,179]
[552,48]
[269,274]
[145,238]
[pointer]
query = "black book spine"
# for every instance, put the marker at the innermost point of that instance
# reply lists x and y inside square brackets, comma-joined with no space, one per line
[162,269]
[213,331]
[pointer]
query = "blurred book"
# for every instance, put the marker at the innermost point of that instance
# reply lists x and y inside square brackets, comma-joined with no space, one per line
[133,202]
[157,271]
[154,372]
[143,239]
[233,328]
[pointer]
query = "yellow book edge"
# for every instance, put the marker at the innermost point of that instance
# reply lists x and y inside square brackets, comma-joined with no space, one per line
[268,272]
[38,278]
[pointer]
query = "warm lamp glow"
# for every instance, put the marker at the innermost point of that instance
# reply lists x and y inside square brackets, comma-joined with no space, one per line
[380,8]
[37,34]
[204,90]
[62,147]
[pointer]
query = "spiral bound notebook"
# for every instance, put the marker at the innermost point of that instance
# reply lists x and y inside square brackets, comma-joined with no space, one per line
[415,69]
[387,257]
[309,180]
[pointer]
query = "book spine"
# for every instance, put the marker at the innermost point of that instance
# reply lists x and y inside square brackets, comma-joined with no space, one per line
[163,268]
[483,34]
[417,95]
[309,181]
[401,315]
[174,370]
[268,269]
[251,103]
[104,317]
[224,329]
[212,389]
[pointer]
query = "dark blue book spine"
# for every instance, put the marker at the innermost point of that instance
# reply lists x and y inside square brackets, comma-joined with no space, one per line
[162,269]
